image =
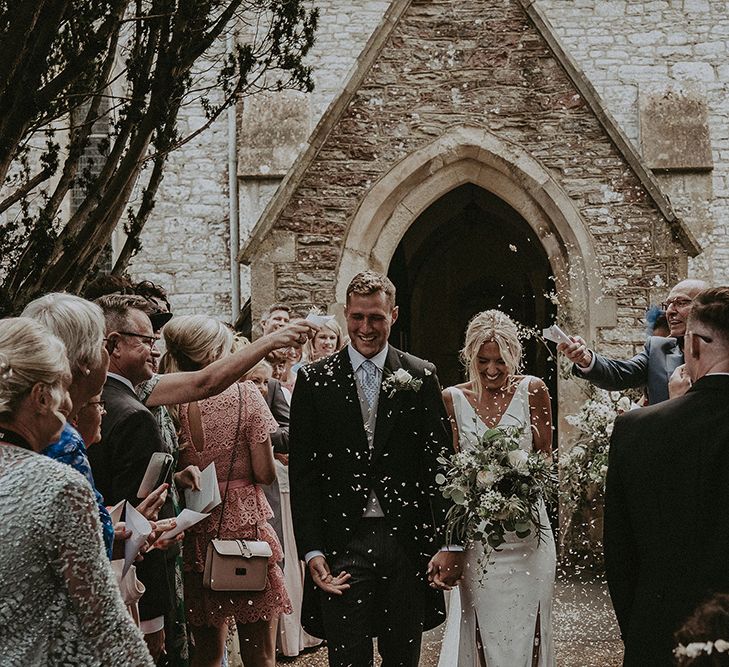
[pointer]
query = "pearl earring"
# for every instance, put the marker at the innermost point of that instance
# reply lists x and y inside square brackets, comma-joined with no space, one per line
[87,371]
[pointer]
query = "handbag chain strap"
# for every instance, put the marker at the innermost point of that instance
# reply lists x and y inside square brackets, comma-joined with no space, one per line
[232,457]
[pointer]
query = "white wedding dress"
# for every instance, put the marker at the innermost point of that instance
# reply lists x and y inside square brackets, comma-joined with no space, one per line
[503,604]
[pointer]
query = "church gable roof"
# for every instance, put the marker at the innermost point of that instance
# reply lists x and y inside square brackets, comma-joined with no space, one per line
[399,26]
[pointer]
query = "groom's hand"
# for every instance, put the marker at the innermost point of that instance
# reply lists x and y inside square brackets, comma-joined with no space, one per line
[445,569]
[322,576]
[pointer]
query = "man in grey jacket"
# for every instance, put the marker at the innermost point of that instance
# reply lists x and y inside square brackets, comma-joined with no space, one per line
[654,365]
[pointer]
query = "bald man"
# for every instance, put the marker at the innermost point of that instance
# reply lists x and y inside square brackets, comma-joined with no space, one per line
[654,365]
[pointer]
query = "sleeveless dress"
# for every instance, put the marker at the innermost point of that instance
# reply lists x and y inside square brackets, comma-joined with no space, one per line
[246,508]
[502,605]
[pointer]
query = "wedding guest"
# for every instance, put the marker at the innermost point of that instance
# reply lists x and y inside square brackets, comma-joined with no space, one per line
[274,317]
[129,438]
[291,638]
[80,325]
[59,603]
[293,361]
[501,613]
[654,365]
[703,640]
[666,529]
[231,429]
[88,419]
[326,342]
[191,384]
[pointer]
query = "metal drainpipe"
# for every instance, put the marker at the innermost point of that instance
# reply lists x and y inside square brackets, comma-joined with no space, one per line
[233,200]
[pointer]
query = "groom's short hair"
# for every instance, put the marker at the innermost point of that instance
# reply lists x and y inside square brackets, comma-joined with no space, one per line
[371,282]
[711,307]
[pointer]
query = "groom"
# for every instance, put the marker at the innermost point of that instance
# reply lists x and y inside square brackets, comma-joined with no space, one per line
[367,425]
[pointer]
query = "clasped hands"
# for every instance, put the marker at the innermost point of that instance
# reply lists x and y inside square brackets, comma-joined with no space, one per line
[445,570]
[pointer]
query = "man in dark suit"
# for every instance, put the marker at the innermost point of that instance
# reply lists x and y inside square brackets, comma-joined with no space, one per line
[654,365]
[367,425]
[129,437]
[666,519]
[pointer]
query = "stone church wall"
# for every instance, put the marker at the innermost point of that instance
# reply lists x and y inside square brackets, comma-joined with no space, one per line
[629,49]
[185,245]
[621,45]
[439,69]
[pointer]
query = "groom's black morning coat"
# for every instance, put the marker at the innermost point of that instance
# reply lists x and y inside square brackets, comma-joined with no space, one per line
[667,516]
[332,470]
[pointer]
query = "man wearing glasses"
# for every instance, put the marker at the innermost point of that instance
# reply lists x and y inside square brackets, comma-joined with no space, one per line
[654,365]
[129,437]
[666,521]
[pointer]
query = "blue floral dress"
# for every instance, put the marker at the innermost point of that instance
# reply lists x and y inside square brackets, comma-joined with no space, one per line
[71,450]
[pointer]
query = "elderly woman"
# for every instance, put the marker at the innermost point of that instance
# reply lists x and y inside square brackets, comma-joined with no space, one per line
[80,326]
[59,603]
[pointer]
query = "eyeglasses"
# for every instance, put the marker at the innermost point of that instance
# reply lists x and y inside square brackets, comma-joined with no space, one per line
[706,339]
[100,406]
[677,302]
[149,341]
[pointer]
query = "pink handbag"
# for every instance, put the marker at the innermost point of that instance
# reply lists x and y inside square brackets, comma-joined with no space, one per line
[236,565]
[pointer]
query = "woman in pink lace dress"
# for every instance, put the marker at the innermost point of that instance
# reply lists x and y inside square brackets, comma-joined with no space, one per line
[208,434]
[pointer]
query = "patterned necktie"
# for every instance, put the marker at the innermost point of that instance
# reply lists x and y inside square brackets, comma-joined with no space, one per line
[370,386]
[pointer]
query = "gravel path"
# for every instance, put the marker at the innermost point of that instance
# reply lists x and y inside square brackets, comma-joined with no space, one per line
[586,633]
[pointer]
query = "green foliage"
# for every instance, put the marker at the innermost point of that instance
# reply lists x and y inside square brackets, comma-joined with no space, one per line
[90,91]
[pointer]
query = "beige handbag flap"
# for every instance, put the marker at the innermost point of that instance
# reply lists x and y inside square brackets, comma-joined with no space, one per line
[246,548]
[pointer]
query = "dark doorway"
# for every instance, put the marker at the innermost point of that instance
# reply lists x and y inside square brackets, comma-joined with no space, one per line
[467,252]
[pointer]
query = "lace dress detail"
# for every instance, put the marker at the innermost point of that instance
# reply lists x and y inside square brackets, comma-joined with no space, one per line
[59,603]
[246,513]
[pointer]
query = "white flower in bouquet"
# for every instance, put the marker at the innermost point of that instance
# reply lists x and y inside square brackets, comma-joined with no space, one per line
[519,460]
[622,404]
[485,479]
[496,488]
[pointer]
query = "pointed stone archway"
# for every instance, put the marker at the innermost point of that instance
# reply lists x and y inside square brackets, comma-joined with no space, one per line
[467,252]
[472,155]
[505,173]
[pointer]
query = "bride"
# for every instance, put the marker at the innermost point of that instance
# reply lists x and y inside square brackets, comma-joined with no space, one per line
[502,618]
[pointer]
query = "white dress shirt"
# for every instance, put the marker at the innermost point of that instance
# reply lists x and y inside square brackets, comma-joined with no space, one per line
[373,508]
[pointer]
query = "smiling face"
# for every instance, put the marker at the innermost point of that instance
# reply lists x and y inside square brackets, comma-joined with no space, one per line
[88,420]
[132,356]
[260,376]
[276,320]
[679,305]
[492,370]
[369,320]
[324,343]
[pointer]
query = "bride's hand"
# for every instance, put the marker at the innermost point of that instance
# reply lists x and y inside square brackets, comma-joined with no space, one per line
[445,569]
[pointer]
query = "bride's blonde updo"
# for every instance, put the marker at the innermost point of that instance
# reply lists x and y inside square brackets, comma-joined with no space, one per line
[485,327]
[194,341]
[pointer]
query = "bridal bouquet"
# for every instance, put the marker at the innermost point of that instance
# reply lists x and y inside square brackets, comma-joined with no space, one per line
[496,488]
